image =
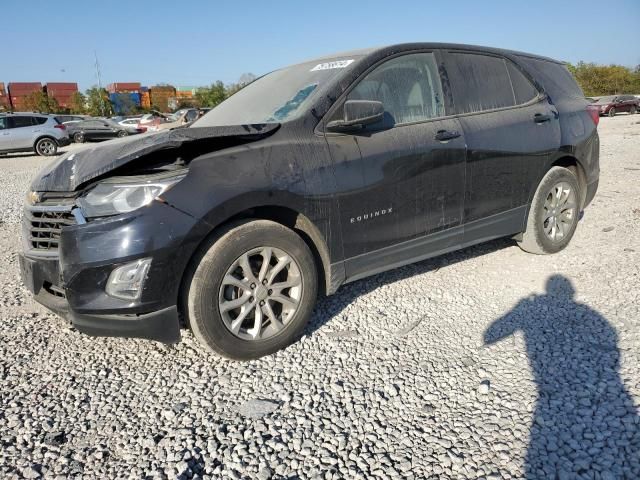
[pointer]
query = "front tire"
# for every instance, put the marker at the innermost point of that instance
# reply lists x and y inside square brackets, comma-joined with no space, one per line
[553,216]
[46,147]
[122,133]
[252,290]
[612,112]
[78,138]
[633,110]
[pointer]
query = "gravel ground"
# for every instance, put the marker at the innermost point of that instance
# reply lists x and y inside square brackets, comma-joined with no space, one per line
[486,363]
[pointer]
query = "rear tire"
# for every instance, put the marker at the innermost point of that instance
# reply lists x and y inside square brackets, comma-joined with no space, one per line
[612,112]
[554,213]
[46,147]
[237,305]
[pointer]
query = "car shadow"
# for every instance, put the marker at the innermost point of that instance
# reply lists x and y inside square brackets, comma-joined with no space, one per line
[585,422]
[330,306]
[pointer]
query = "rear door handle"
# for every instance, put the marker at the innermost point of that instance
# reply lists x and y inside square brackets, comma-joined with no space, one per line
[446,135]
[540,118]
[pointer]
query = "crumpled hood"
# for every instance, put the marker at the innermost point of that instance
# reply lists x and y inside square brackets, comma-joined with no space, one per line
[73,169]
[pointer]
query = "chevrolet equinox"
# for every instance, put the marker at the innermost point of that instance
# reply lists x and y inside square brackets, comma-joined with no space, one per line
[310,177]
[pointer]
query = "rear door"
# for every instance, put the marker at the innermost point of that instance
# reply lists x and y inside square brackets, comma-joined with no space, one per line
[21,132]
[397,182]
[511,132]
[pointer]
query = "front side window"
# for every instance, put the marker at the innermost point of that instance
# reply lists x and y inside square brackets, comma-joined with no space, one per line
[479,82]
[408,87]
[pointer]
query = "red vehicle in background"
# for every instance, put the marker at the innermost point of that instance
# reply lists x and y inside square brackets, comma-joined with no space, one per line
[612,104]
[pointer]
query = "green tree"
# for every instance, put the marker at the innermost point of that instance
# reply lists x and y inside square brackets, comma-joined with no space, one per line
[78,103]
[212,95]
[98,103]
[598,80]
[41,102]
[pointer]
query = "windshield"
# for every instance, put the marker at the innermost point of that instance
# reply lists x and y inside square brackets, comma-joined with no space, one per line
[279,96]
[608,99]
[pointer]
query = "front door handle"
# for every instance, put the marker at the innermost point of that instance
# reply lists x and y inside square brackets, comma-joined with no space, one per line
[446,135]
[540,118]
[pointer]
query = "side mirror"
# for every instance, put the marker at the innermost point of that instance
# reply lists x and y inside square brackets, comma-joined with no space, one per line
[357,115]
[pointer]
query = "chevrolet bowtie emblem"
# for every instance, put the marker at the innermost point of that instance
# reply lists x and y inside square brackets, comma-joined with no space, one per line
[34,197]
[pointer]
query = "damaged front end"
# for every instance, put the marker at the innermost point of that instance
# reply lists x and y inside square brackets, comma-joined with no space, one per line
[101,246]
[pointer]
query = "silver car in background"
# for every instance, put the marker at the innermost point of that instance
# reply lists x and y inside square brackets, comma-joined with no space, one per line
[32,132]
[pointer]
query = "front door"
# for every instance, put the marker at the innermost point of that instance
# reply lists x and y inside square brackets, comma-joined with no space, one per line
[403,178]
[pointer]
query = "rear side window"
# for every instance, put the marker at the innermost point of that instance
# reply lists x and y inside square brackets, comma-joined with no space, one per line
[478,82]
[19,122]
[408,87]
[523,89]
[554,77]
[3,123]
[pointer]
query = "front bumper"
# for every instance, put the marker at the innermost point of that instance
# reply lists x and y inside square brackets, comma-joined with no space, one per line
[72,283]
[40,277]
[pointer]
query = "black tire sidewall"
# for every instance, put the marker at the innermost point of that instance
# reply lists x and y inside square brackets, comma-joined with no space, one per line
[78,138]
[202,295]
[554,176]
[612,112]
[122,134]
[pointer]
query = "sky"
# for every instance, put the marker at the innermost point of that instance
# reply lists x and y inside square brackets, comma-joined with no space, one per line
[197,42]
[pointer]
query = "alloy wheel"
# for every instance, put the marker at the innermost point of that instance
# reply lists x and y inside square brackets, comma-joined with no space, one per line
[260,293]
[46,147]
[559,212]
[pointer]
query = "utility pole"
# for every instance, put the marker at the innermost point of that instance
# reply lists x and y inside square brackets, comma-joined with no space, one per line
[102,109]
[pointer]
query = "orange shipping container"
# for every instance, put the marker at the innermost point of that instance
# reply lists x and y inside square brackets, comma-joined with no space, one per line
[145,100]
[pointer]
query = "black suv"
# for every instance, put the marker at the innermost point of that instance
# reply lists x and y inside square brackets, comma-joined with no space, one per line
[312,176]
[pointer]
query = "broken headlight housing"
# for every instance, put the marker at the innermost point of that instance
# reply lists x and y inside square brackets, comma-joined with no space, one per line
[124,194]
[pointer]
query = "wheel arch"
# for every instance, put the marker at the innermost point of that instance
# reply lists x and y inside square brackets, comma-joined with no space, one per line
[573,164]
[569,162]
[40,137]
[282,215]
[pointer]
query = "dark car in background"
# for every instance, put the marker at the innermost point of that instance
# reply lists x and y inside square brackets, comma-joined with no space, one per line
[612,104]
[310,177]
[71,119]
[99,129]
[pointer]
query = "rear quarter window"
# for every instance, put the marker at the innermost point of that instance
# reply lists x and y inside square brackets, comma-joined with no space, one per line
[554,77]
[478,82]
[523,89]
[39,120]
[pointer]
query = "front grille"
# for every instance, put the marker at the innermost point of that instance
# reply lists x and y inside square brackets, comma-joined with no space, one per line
[44,227]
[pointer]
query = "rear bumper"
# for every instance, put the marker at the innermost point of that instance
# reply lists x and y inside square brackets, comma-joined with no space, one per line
[592,188]
[42,276]
[63,142]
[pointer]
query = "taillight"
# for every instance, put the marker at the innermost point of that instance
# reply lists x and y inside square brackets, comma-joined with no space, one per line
[594,112]
[60,126]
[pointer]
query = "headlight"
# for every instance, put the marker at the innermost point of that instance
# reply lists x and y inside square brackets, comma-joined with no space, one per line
[116,196]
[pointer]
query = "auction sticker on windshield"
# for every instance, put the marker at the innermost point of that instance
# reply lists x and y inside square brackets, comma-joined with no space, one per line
[332,65]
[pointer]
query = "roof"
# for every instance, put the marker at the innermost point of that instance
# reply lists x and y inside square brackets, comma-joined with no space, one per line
[399,47]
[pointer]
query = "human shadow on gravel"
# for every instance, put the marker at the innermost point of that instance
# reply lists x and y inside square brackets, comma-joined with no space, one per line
[585,423]
[329,307]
